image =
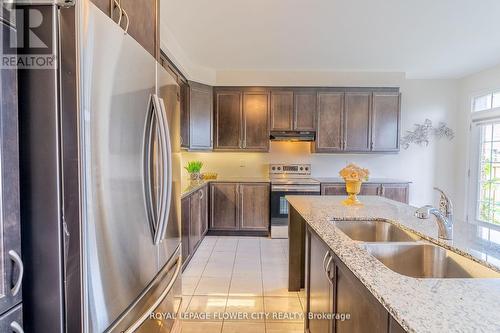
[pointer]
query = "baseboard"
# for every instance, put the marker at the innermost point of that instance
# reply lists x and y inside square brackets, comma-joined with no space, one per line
[254,233]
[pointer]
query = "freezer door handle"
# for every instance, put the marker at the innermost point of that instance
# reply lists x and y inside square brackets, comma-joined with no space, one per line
[158,301]
[19,263]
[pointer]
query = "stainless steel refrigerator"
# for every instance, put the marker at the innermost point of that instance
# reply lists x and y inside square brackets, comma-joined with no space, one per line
[108,121]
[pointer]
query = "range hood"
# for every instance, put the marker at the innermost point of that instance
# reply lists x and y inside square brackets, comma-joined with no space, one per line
[292,136]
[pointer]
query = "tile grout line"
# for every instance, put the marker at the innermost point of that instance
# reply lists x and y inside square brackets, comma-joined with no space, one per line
[199,279]
[230,281]
[262,281]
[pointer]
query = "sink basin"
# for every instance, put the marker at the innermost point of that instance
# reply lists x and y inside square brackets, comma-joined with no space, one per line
[421,260]
[374,231]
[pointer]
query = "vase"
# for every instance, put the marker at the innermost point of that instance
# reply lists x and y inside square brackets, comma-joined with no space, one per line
[353,187]
[195,176]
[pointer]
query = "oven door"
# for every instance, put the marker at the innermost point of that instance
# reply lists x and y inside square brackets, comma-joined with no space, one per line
[279,206]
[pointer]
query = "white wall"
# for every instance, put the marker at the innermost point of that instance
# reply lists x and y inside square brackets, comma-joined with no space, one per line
[424,166]
[469,86]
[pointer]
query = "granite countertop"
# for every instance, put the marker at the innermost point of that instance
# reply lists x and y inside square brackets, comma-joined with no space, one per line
[193,187]
[419,305]
[369,181]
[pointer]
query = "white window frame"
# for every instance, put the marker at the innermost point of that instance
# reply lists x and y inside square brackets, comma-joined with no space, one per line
[477,118]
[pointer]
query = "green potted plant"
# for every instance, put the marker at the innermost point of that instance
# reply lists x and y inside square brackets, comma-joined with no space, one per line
[194,168]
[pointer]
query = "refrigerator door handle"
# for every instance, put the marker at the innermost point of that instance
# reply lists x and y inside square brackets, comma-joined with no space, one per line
[163,201]
[18,261]
[152,212]
[167,167]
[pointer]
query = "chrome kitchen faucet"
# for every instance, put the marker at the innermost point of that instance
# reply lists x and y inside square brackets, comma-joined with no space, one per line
[444,215]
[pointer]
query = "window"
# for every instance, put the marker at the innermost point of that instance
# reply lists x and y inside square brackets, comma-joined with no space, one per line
[486,102]
[488,203]
[484,201]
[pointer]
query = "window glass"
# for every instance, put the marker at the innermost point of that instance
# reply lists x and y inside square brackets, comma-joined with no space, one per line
[496,100]
[488,202]
[482,103]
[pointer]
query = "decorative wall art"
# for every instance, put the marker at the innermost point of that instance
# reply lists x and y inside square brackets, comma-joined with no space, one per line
[422,133]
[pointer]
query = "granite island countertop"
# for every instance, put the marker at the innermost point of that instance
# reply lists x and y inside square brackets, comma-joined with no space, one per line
[419,305]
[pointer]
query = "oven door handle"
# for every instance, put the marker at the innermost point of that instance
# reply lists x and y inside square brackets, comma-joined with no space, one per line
[295,188]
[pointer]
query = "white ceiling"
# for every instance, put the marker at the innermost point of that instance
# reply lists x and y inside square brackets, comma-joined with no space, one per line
[423,38]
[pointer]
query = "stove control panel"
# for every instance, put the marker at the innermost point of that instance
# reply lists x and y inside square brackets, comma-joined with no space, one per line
[290,169]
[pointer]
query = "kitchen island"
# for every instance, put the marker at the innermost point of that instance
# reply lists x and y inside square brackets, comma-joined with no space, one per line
[388,301]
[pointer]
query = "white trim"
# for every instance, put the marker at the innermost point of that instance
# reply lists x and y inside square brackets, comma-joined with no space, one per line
[476,120]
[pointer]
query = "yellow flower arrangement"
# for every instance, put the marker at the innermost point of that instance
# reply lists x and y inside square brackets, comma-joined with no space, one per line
[352,172]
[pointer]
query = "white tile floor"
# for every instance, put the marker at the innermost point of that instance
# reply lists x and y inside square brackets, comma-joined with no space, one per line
[240,275]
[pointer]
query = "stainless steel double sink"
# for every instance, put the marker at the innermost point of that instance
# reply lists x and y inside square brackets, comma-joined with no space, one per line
[406,253]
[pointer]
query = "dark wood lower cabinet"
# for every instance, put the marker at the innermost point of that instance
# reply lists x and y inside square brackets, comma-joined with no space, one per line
[194,221]
[254,206]
[224,206]
[185,222]
[332,288]
[239,207]
[366,313]
[319,285]
[394,191]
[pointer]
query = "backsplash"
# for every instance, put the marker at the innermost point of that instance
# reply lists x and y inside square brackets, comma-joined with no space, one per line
[406,165]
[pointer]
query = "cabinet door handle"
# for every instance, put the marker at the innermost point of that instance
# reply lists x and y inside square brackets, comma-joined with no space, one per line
[128,21]
[116,4]
[324,260]
[17,260]
[327,269]
[16,327]
[201,194]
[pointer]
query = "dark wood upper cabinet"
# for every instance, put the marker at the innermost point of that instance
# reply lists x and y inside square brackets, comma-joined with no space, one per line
[227,122]
[200,106]
[304,110]
[224,203]
[293,110]
[357,121]
[254,206]
[329,121]
[143,21]
[184,116]
[104,5]
[282,110]
[255,121]
[385,121]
